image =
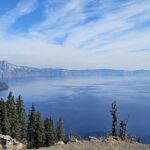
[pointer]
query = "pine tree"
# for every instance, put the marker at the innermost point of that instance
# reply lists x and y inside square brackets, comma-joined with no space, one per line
[31,127]
[39,131]
[21,116]
[13,117]
[46,131]
[60,130]
[4,123]
[50,132]
[114,118]
[123,130]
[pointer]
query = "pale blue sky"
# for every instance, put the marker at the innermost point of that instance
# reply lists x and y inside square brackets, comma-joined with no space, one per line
[76,33]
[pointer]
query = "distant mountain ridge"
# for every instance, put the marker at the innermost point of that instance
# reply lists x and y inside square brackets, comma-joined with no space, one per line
[8,70]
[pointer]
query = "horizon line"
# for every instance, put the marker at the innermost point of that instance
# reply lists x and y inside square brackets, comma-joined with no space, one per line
[82,69]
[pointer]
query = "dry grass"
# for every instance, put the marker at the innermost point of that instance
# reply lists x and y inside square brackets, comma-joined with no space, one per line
[109,144]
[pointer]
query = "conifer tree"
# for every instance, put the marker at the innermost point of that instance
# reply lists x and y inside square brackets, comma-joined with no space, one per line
[39,131]
[53,137]
[31,127]
[4,123]
[114,118]
[50,132]
[60,130]
[13,117]
[123,129]
[46,131]
[21,116]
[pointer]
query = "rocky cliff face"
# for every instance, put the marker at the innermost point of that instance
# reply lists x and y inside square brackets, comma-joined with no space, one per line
[8,143]
[8,70]
[7,67]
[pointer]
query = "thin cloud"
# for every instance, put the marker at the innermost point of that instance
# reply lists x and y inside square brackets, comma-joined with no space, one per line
[23,7]
[99,33]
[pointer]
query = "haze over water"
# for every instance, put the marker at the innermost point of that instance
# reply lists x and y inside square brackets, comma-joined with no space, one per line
[85,102]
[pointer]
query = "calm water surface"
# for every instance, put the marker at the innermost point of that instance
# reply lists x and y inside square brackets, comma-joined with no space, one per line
[85,103]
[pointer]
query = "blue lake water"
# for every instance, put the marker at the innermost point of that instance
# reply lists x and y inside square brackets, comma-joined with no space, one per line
[85,103]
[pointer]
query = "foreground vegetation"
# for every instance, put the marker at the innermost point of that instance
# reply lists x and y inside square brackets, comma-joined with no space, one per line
[34,132]
[31,130]
[105,143]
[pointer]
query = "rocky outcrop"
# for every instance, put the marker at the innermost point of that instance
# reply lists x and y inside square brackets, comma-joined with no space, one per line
[8,143]
[91,138]
[59,143]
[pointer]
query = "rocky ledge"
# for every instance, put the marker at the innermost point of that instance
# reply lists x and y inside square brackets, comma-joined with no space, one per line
[107,143]
[104,143]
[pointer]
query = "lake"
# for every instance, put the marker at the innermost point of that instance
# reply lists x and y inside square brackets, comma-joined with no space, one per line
[84,103]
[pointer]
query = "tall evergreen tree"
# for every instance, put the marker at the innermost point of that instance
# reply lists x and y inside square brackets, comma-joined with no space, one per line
[60,130]
[114,118]
[39,131]
[50,132]
[46,132]
[31,127]
[123,129]
[13,117]
[4,123]
[21,116]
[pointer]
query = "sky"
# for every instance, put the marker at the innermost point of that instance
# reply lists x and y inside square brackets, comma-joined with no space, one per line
[76,34]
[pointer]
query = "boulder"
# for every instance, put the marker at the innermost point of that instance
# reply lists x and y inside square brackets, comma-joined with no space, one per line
[11,144]
[59,143]
[91,138]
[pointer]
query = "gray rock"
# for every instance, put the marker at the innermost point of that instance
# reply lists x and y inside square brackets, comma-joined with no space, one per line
[59,143]
[91,138]
[11,144]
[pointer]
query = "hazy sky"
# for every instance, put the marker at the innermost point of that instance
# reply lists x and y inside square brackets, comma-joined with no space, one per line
[76,33]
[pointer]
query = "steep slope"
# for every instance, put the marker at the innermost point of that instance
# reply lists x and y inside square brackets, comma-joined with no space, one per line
[8,70]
